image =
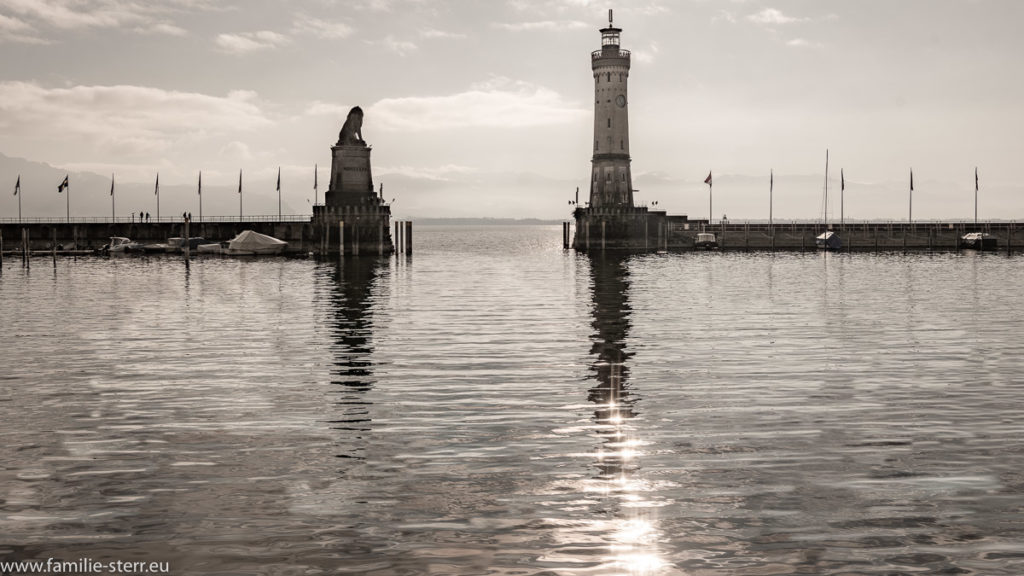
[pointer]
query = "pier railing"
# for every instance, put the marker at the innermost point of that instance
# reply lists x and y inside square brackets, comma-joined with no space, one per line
[154,219]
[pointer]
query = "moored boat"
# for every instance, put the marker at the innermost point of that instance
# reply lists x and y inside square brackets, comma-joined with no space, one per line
[120,245]
[828,241]
[252,243]
[705,241]
[979,241]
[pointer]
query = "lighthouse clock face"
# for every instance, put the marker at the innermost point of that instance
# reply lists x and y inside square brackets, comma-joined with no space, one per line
[620,100]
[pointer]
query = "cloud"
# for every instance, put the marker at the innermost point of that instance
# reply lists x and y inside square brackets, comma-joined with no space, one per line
[437,173]
[499,102]
[17,30]
[400,47]
[770,16]
[544,25]
[162,28]
[320,108]
[36,20]
[132,118]
[723,16]
[798,43]
[321,28]
[69,14]
[646,55]
[247,42]
[431,33]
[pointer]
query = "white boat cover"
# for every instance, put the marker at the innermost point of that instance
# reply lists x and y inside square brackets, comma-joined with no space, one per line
[251,241]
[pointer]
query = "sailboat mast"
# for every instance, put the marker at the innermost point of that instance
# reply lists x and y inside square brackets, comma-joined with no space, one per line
[824,215]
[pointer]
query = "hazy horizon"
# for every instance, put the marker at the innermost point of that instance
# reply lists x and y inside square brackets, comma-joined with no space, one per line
[484,109]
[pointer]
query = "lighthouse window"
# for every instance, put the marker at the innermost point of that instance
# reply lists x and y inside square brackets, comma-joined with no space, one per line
[622,145]
[609,122]
[609,77]
[623,176]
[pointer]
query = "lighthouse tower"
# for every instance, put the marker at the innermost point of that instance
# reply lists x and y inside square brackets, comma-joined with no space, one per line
[611,184]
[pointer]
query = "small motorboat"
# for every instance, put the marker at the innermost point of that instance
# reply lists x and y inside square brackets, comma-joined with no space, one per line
[120,245]
[252,243]
[212,248]
[828,241]
[705,241]
[177,244]
[979,241]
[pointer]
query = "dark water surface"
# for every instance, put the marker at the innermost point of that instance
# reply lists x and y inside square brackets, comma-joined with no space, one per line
[495,405]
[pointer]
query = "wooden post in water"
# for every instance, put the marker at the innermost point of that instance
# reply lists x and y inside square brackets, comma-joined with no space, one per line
[185,243]
[28,247]
[53,246]
[380,237]
[408,236]
[1,252]
[602,234]
[341,237]
[355,238]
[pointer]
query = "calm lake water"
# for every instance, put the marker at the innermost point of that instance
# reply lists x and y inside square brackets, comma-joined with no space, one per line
[496,405]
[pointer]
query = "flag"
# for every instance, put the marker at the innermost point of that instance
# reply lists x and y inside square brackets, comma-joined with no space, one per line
[278,178]
[111,184]
[63,185]
[315,171]
[911,180]
[239,181]
[17,185]
[771,182]
[842,181]
[975,179]
[708,179]
[156,189]
[200,182]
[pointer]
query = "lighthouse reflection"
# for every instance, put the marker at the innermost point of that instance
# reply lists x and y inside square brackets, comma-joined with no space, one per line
[631,533]
[610,369]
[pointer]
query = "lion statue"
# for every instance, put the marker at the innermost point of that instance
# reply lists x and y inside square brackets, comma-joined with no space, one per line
[352,131]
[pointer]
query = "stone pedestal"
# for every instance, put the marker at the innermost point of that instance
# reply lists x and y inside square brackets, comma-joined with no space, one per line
[354,219]
[351,177]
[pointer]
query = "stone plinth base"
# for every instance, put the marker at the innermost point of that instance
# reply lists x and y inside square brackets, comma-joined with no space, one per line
[351,177]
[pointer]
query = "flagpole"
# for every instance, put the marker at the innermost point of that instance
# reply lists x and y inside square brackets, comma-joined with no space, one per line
[975,197]
[771,200]
[316,172]
[17,192]
[113,213]
[239,195]
[200,196]
[157,192]
[824,213]
[279,193]
[842,201]
[68,198]
[910,213]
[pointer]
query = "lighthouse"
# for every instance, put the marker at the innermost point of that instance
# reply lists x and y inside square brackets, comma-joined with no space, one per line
[611,184]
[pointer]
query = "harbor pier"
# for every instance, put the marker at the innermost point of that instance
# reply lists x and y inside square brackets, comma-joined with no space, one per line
[639,230]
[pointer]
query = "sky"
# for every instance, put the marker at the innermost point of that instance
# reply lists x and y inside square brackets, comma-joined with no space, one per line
[483,108]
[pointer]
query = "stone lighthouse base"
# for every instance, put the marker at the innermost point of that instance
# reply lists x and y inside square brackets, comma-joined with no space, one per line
[634,229]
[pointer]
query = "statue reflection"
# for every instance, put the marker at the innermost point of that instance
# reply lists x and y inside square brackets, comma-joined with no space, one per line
[351,323]
[633,534]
